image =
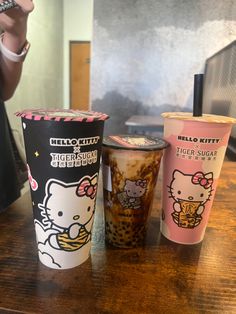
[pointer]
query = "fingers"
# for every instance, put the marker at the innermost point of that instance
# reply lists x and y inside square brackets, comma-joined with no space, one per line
[26,5]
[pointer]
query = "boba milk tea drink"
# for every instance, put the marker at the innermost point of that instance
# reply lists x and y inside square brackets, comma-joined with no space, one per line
[191,170]
[63,149]
[130,170]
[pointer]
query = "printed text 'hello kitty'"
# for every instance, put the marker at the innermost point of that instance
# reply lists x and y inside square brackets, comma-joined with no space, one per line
[74,141]
[198,140]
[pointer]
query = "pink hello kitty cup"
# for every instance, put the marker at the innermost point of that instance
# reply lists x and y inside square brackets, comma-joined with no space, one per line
[191,169]
[130,170]
[63,149]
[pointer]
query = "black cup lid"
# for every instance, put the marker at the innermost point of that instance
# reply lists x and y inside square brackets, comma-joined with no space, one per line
[134,142]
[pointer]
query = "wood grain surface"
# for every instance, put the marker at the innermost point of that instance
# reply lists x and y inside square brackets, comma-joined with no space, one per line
[161,277]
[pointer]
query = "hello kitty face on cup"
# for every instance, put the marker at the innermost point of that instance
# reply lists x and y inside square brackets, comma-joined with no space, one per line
[191,187]
[67,204]
[190,193]
[135,188]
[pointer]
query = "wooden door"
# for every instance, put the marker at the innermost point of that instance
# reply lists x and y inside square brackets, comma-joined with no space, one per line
[79,75]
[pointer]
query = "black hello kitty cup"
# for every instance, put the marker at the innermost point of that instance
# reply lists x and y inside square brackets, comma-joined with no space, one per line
[130,165]
[63,149]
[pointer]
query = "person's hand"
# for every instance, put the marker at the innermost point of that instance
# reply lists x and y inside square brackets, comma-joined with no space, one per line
[14,21]
[26,5]
[14,24]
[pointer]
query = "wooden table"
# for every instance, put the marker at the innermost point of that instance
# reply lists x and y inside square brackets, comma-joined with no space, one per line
[161,277]
[145,125]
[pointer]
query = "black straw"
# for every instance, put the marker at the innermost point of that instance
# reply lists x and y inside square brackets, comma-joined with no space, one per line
[198,94]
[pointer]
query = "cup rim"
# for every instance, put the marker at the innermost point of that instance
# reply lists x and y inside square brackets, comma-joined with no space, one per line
[205,118]
[119,142]
[60,114]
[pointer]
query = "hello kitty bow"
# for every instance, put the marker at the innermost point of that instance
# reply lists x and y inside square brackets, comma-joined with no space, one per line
[142,183]
[204,180]
[86,188]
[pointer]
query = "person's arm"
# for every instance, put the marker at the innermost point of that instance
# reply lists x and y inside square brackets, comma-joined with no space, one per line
[14,24]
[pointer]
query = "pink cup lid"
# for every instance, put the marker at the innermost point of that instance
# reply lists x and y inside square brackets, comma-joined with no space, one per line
[62,115]
[208,118]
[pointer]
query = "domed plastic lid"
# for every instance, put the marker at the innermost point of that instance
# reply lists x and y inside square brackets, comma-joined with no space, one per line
[135,142]
[62,115]
[210,118]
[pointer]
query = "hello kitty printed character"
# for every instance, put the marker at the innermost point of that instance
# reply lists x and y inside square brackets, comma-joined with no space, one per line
[189,201]
[133,191]
[68,212]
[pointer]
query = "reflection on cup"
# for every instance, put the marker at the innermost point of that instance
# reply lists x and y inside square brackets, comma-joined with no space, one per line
[191,169]
[63,149]
[130,170]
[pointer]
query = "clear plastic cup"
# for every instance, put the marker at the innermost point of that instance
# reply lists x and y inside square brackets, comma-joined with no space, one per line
[130,171]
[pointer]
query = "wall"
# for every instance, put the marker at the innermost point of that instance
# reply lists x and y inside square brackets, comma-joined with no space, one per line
[78,20]
[41,84]
[145,53]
